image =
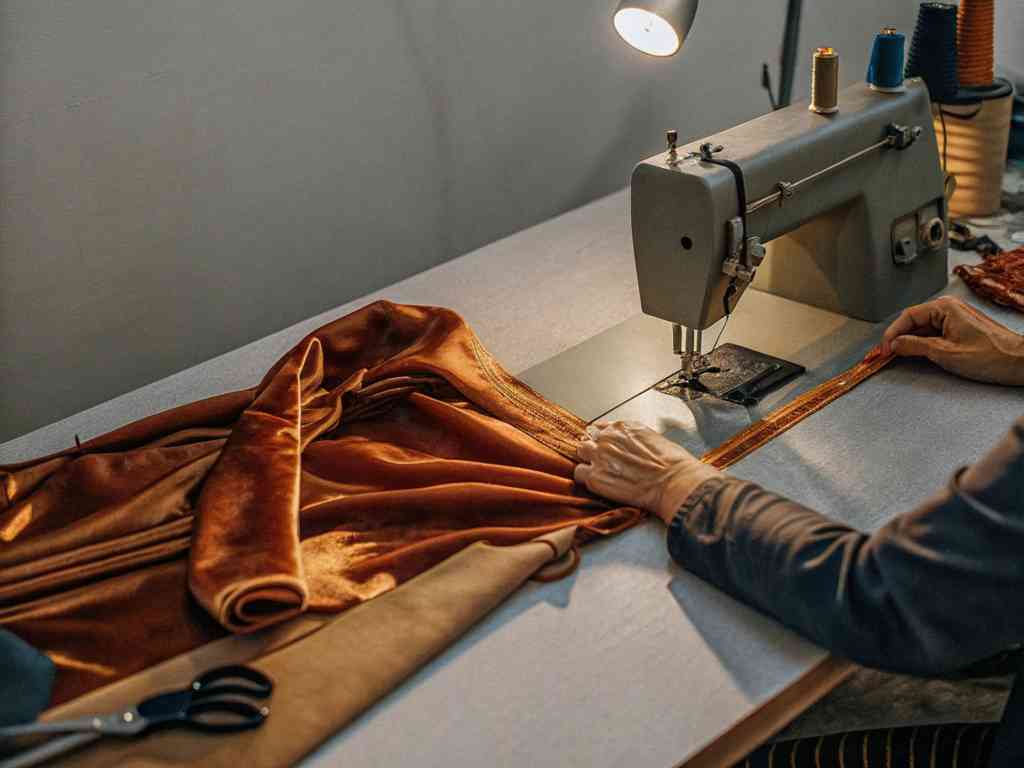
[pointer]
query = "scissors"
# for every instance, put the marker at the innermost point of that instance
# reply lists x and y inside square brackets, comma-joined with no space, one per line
[223,700]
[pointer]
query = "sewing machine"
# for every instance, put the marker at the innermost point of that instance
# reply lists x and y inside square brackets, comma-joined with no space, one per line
[843,211]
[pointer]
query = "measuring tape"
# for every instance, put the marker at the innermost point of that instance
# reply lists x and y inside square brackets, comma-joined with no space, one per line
[788,416]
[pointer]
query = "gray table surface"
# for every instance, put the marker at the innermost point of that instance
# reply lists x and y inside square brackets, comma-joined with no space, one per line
[632,660]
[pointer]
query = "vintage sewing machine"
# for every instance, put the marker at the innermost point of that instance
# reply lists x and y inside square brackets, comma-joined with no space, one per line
[843,211]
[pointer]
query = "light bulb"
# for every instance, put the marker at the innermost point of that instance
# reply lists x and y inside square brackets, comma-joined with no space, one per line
[646,31]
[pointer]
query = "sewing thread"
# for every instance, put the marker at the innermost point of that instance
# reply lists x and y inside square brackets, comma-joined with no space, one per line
[885,70]
[825,82]
[976,42]
[933,54]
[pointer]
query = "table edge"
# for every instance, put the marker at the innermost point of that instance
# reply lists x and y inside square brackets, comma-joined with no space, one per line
[747,734]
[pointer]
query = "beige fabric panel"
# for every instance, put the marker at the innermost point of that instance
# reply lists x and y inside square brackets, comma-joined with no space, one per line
[325,674]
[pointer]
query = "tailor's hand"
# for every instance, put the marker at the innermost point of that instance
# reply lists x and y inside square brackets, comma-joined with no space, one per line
[960,339]
[626,462]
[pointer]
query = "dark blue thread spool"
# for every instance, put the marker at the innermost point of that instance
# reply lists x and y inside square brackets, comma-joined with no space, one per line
[885,70]
[933,50]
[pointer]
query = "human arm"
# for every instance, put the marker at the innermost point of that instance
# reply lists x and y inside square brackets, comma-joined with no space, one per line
[960,339]
[936,589]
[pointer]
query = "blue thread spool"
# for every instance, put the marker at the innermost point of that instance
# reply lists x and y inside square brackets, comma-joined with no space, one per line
[885,70]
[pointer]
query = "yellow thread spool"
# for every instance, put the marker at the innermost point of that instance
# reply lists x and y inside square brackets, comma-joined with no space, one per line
[825,81]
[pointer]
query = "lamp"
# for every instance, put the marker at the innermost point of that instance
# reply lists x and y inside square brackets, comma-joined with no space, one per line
[659,27]
[656,27]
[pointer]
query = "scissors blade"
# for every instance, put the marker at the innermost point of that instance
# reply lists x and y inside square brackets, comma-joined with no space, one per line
[127,722]
[48,750]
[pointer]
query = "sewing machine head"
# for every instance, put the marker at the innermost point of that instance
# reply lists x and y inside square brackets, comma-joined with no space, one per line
[843,211]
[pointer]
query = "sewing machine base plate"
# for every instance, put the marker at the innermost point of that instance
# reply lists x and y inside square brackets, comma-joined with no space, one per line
[733,373]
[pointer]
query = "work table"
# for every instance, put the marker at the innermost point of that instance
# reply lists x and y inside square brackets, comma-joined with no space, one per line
[631,660]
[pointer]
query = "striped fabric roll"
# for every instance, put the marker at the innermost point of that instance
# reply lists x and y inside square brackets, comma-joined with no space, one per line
[936,746]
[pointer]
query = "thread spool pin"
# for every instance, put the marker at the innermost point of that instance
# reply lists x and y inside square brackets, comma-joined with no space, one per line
[672,140]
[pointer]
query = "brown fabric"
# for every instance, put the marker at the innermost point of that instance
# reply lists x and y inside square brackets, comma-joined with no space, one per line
[383,443]
[999,278]
[371,650]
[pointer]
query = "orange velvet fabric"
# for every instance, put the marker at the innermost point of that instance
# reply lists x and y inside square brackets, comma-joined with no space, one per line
[383,443]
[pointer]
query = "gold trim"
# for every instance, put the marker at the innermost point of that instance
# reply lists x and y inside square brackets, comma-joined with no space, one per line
[842,751]
[935,744]
[520,393]
[788,416]
[560,421]
[817,752]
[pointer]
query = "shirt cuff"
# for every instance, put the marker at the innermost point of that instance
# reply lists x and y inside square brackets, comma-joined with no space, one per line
[968,498]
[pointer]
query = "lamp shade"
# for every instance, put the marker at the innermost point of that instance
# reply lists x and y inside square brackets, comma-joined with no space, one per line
[657,27]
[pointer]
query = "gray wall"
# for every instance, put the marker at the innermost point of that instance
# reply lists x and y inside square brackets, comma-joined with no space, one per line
[178,177]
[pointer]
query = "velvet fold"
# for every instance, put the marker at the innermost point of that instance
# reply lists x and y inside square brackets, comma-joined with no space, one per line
[380,445]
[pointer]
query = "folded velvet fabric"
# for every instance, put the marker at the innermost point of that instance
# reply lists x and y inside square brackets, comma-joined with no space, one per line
[379,446]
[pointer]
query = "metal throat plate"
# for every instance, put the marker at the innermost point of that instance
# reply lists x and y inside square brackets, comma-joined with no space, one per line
[732,373]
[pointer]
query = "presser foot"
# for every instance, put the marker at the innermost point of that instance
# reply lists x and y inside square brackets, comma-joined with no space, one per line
[731,372]
[688,381]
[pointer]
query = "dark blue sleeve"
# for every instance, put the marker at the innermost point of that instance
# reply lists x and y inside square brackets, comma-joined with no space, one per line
[932,592]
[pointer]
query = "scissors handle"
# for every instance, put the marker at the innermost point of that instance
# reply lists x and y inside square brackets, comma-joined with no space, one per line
[232,679]
[219,701]
[225,691]
[236,716]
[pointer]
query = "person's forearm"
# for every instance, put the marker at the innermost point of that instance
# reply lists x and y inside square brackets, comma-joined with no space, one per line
[911,597]
[787,560]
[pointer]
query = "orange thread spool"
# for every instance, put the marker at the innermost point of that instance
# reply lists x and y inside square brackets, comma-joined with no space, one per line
[976,42]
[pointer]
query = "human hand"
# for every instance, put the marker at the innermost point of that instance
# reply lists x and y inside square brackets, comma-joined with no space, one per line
[960,339]
[626,462]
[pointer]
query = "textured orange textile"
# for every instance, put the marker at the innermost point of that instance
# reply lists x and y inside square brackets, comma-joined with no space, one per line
[999,278]
[380,445]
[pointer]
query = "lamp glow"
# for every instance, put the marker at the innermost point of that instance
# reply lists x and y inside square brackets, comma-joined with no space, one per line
[646,32]
[656,27]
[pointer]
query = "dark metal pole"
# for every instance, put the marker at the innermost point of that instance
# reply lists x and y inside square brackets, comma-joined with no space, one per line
[790,43]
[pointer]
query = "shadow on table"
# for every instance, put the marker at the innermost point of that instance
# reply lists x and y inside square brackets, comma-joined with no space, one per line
[739,635]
